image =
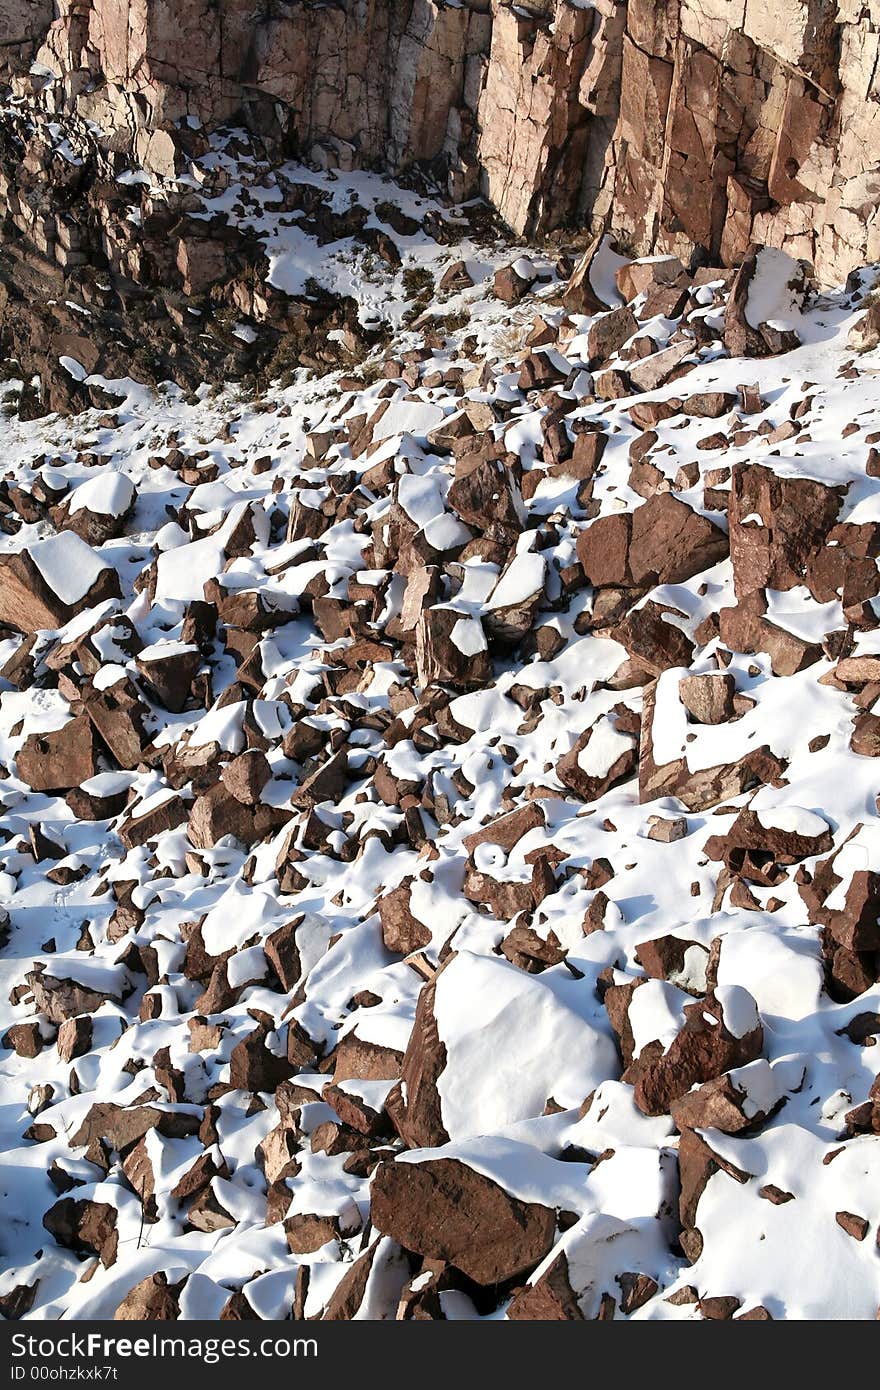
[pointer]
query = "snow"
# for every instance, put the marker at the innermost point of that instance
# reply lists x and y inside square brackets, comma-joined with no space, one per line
[508,1037]
[521,581]
[738,1008]
[793,820]
[770,300]
[605,746]
[110,494]
[656,1014]
[68,565]
[467,634]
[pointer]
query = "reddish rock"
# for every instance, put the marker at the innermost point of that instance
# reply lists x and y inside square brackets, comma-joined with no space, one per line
[171,675]
[701,1050]
[662,542]
[604,755]
[28,603]
[152,1300]
[796,517]
[444,1210]
[652,641]
[401,931]
[61,759]
[84,1226]
[451,649]
[60,999]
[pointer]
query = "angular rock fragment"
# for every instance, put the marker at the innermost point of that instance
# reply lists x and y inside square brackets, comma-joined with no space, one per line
[445,1210]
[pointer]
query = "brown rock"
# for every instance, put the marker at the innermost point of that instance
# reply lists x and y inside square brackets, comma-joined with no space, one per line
[84,1226]
[451,649]
[708,699]
[401,931]
[662,542]
[170,676]
[28,603]
[796,516]
[61,759]
[60,999]
[444,1210]
[701,1051]
[152,1300]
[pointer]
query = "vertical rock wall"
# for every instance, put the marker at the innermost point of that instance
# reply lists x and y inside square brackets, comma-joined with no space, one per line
[683,125]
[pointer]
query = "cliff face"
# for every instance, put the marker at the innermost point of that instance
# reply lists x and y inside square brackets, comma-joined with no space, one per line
[681,125]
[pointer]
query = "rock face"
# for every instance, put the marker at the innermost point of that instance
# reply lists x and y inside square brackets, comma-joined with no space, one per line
[705,124]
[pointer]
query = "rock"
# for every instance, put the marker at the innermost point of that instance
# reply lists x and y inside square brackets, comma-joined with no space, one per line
[579,297]
[608,333]
[758,839]
[145,821]
[17,1302]
[61,759]
[653,642]
[97,511]
[864,335]
[708,699]
[444,1210]
[74,1038]
[674,958]
[120,1127]
[777,526]
[511,282]
[701,1051]
[218,813]
[451,649]
[706,787]
[724,1103]
[51,581]
[697,1163]
[60,999]
[745,629]
[246,776]
[485,496]
[661,542]
[254,1067]
[550,1298]
[768,290]
[537,1030]
[24,1039]
[84,1226]
[604,755]
[586,1273]
[169,669]
[153,1300]
[401,931]
[507,830]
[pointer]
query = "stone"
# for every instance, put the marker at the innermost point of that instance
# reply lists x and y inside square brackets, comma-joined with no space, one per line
[662,542]
[61,759]
[84,1226]
[708,699]
[769,286]
[451,649]
[601,757]
[777,526]
[652,641]
[152,1300]
[401,931]
[444,1210]
[29,602]
[170,675]
[60,999]
[701,1051]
